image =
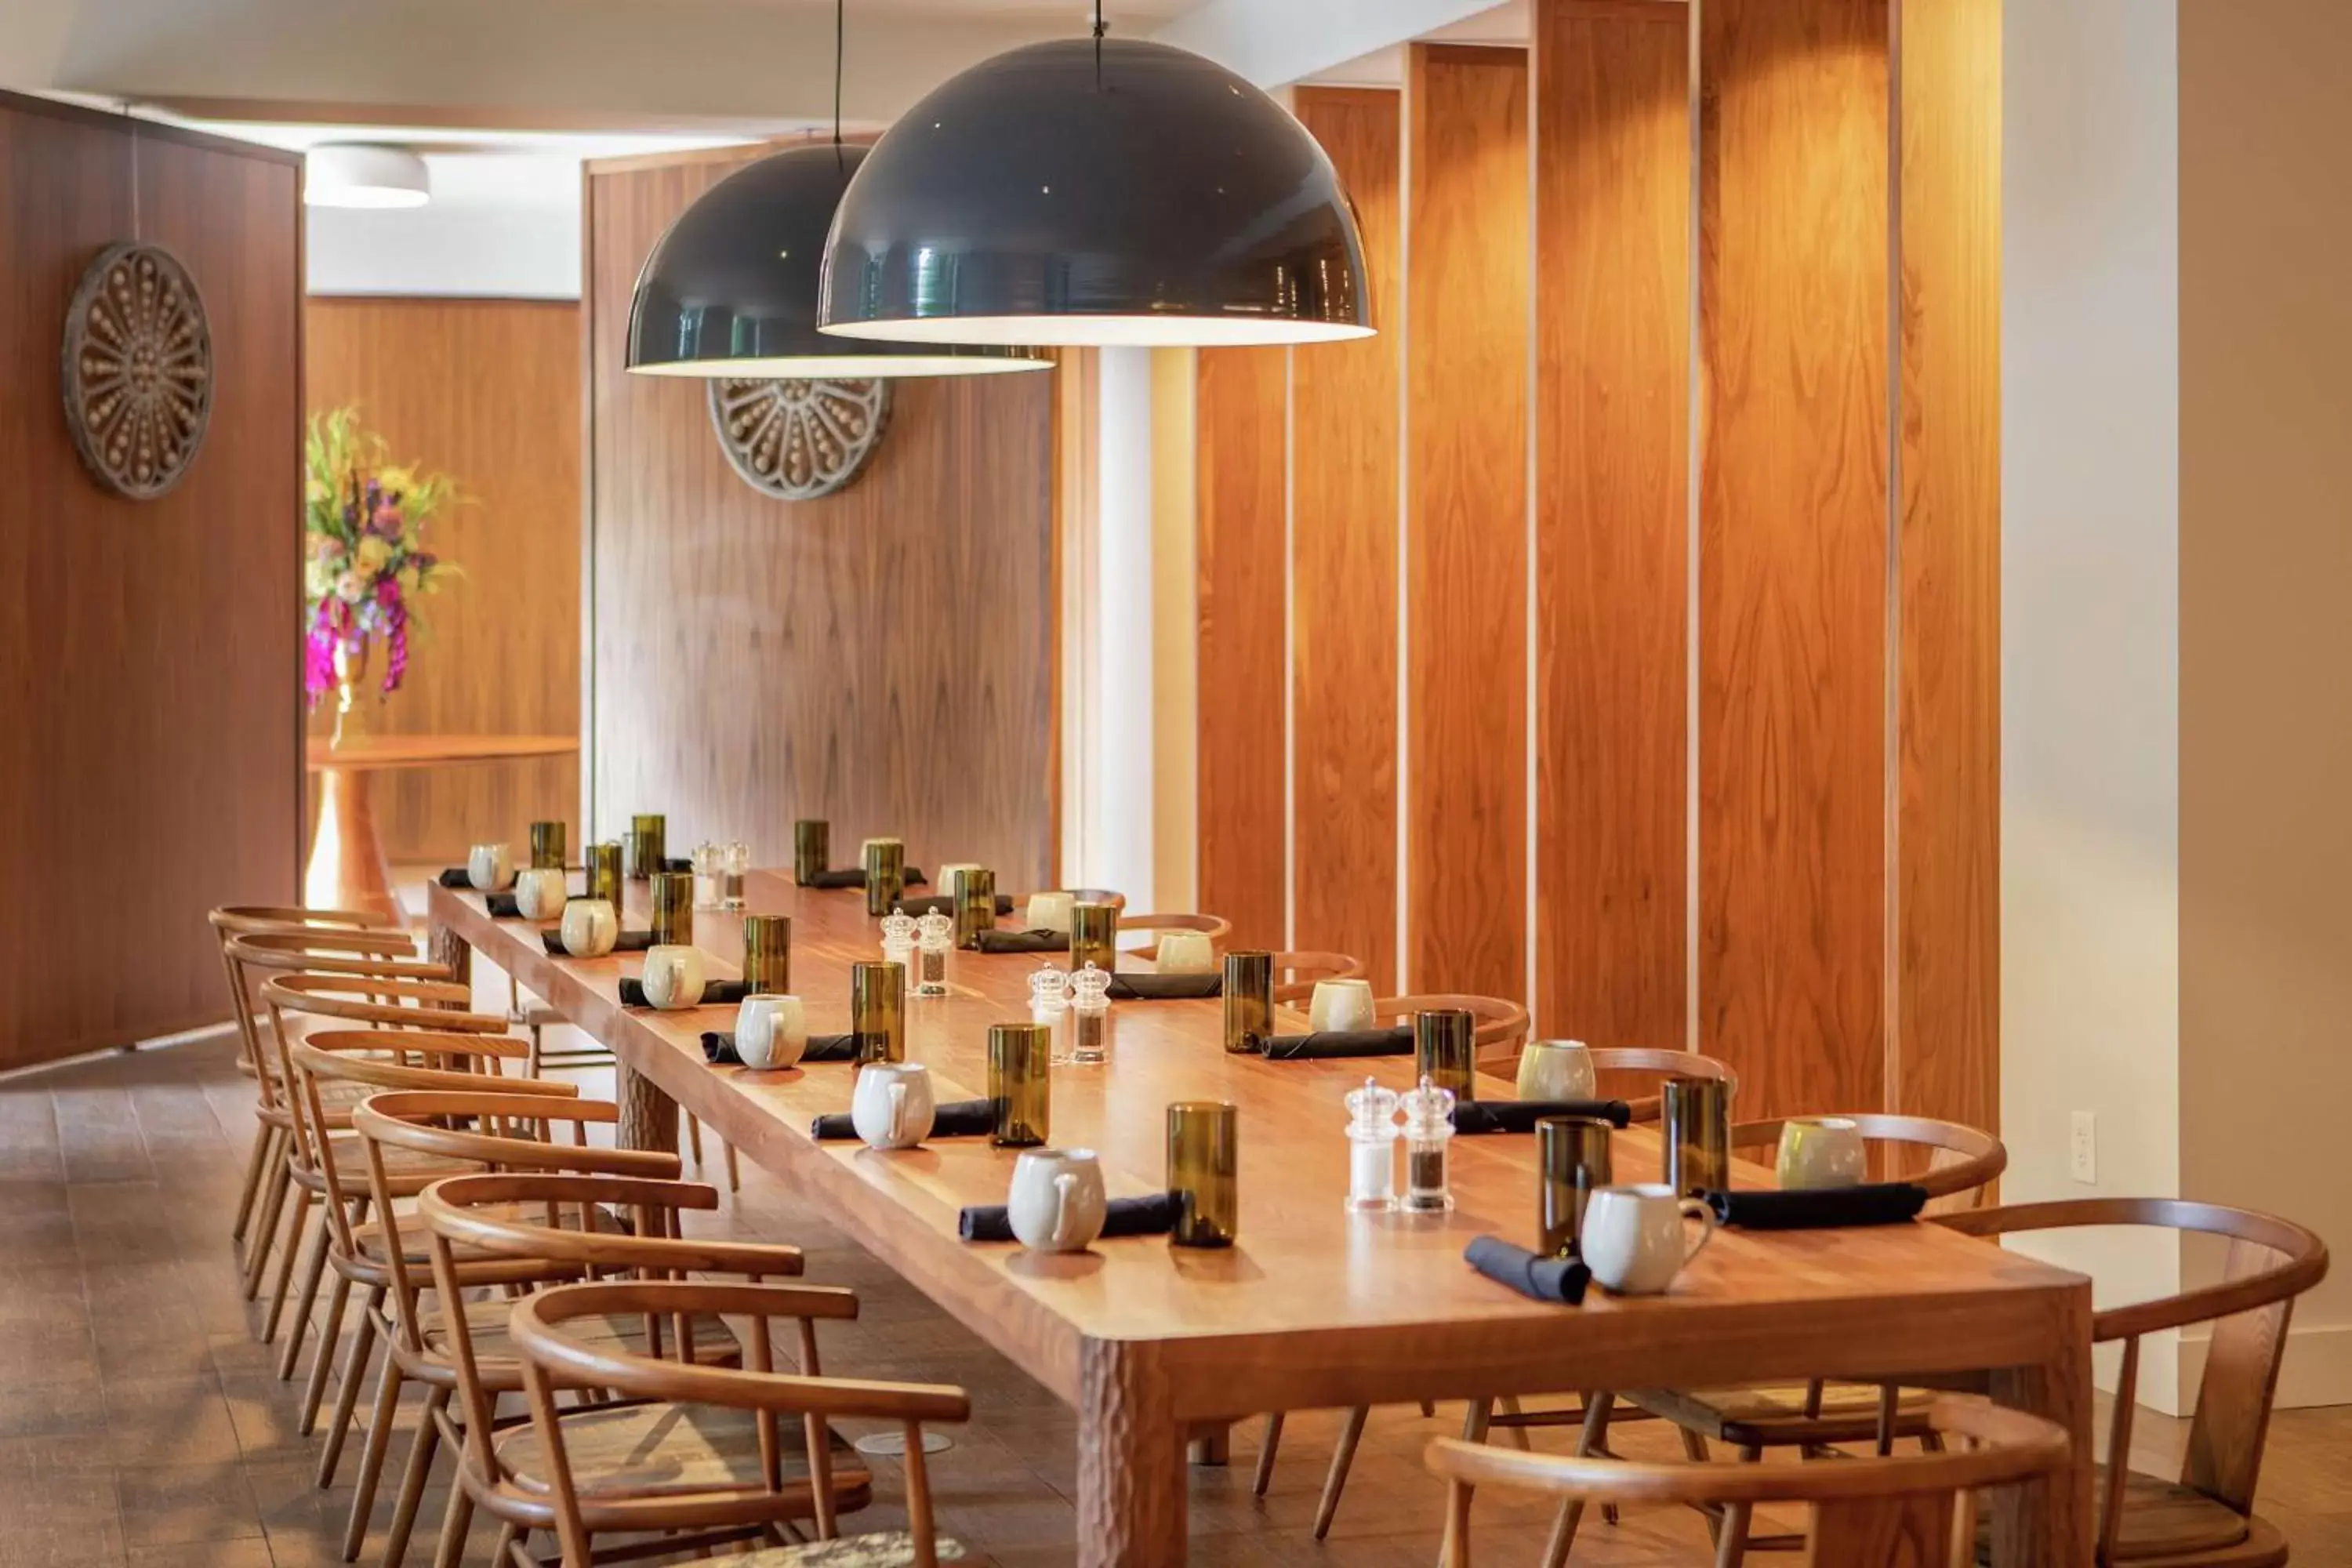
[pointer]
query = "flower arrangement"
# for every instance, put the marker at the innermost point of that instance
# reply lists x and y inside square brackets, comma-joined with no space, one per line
[364,559]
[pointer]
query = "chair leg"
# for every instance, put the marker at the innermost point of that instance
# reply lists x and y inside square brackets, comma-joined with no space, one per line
[292,1242]
[330,1339]
[1731,1546]
[411,1480]
[734,1171]
[379,1439]
[1336,1479]
[450,1550]
[265,1229]
[1269,1444]
[263,1135]
[347,1394]
[313,1268]
[1591,1439]
[1428,1408]
[694,1138]
[1509,1406]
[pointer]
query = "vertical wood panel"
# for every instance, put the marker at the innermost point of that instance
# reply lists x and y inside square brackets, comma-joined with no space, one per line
[1241,423]
[489,392]
[1612,154]
[1344,566]
[151,692]
[1793,521]
[1467,429]
[881,658]
[1948,1048]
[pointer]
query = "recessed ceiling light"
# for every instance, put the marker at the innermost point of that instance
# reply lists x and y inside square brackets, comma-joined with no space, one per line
[350,175]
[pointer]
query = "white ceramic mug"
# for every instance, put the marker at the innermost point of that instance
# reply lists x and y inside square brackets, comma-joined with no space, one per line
[1058,1202]
[1822,1151]
[770,1030]
[590,927]
[673,977]
[1048,911]
[1186,953]
[489,867]
[539,892]
[1633,1237]
[1556,1070]
[1341,1004]
[893,1106]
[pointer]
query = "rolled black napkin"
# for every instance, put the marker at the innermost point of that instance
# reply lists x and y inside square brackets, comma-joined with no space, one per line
[715,993]
[856,877]
[719,1048]
[944,904]
[955,1118]
[502,906]
[1154,1215]
[1164,987]
[1824,1209]
[1324,1043]
[1476,1116]
[1025,942]
[455,877]
[1561,1279]
[627,941]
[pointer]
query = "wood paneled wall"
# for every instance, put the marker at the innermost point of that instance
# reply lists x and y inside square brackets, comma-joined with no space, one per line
[882,657]
[1789,665]
[152,697]
[487,391]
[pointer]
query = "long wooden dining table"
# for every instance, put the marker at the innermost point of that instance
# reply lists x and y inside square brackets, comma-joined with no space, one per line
[1313,1308]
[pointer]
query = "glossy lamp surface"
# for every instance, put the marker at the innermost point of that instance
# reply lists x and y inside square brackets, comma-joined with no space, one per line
[1049,195]
[731,290]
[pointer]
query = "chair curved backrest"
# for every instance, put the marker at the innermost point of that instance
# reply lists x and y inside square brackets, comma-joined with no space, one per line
[554,1360]
[1215,926]
[1960,1161]
[1861,1507]
[1305,968]
[333,928]
[2271,1261]
[392,1002]
[1502,1022]
[1650,1062]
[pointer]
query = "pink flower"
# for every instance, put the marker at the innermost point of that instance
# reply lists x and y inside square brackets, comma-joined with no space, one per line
[330,548]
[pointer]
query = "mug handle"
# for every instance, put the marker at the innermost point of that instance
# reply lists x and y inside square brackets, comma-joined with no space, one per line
[1063,1185]
[898,1110]
[1700,1210]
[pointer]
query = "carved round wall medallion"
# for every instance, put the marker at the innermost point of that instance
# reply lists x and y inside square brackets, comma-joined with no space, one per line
[797,440]
[138,370]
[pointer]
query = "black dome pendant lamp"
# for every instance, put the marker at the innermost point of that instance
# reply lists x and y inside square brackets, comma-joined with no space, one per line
[731,290]
[1097,192]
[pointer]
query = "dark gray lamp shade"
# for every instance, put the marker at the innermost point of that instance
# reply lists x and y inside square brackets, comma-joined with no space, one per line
[1051,196]
[731,290]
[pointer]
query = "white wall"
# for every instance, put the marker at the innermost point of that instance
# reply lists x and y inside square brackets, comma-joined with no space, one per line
[503,224]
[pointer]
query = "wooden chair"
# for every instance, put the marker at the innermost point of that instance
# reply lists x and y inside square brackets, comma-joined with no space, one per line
[483,1213]
[1909,1512]
[1305,968]
[1631,1073]
[1502,1025]
[444,1132]
[744,1486]
[1079,895]
[2205,1518]
[1154,926]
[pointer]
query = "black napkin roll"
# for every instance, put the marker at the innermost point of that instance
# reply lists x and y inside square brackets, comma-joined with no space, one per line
[944,904]
[1328,1043]
[1822,1208]
[854,877]
[1538,1279]
[1164,987]
[455,877]
[719,1048]
[627,941]
[1154,1215]
[830,1048]
[1476,1116]
[502,906]
[1025,942]
[715,993]
[953,1119]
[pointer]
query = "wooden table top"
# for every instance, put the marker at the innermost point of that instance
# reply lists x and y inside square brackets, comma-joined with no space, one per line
[376,754]
[1332,1288]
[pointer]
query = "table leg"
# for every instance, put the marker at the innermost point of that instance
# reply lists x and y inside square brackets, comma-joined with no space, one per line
[648,1115]
[1212,1443]
[347,868]
[1131,1480]
[2049,1524]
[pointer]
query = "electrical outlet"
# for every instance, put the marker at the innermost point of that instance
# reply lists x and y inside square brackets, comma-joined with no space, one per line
[2083,1149]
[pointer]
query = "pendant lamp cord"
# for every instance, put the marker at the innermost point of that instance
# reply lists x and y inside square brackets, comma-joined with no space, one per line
[132,122]
[1100,28]
[836,71]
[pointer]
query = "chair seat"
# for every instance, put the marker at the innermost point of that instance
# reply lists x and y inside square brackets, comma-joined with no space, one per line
[416,1245]
[659,1449]
[891,1549]
[2167,1525]
[485,1329]
[1773,1415]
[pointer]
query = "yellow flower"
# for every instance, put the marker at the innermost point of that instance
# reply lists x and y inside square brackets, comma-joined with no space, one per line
[374,551]
[396,481]
[316,491]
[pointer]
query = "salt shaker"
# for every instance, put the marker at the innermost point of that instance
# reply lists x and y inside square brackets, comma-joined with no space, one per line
[1090,1016]
[934,934]
[706,876]
[898,938]
[1049,1004]
[1371,1148]
[1428,1129]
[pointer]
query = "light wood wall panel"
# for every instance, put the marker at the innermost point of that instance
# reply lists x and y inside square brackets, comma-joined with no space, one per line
[1465,485]
[1242,550]
[1344,463]
[151,698]
[1793,513]
[489,392]
[881,658]
[1946,1058]
[1613,152]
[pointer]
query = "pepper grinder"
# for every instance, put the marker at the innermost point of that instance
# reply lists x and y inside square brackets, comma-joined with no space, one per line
[1428,1129]
[1090,1016]
[1371,1148]
[934,934]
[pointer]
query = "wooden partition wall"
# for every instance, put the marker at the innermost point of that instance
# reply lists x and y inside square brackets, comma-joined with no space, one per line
[152,695]
[1642,611]
[882,657]
[487,391]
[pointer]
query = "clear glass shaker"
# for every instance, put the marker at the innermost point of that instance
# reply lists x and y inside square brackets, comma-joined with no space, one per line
[898,938]
[1428,1129]
[934,935]
[706,876]
[1090,1016]
[1371,1148]
[1049,1004]
[734,864]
